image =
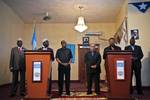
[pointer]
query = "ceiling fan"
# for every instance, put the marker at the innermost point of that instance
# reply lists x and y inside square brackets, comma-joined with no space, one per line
[41,17]
[46,17]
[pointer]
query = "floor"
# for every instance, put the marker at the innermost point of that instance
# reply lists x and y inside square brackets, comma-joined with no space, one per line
[78,92]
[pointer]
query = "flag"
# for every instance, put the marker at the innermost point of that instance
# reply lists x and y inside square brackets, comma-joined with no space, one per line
[72,48]
[34,38]
[122,35]
[142,6]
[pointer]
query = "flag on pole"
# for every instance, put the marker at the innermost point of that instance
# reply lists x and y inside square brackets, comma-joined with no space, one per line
[122,35]
[34,43]
[124,39]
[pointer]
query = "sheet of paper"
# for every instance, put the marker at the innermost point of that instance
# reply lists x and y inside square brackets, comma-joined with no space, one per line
[120,69]
[36,71]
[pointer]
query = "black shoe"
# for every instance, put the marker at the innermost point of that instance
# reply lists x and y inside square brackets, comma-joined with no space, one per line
[131,92]
[68,93]
[98,94]
[140,93]
[22,94]
[48,93]
[59,94]
[12,95]
[88,93]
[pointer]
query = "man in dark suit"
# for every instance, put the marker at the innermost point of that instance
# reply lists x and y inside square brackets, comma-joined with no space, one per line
[46,48]
[136,64]
[17,66]
[64,58]
[92,60]
[111,47]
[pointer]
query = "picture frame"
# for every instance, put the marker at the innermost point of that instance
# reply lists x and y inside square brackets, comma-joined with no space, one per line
[135,34]
[85,40]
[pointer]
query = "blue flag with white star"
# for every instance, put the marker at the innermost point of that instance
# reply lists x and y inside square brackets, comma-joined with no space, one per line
[142,6]
[72,48]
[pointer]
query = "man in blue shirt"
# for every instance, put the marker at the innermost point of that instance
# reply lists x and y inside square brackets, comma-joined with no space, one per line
[64,57]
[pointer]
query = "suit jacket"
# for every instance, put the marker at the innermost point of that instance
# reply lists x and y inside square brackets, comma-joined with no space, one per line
[17,61]
[48,50]
[107,49]
[90,60]
[137,54]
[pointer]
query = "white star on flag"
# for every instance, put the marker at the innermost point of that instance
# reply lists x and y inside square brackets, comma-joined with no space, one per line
[143,6]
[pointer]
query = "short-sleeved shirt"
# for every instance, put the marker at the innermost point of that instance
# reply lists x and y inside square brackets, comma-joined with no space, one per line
[64,55]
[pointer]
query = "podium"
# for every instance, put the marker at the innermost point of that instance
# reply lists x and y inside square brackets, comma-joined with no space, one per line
[37,73]
[118,71]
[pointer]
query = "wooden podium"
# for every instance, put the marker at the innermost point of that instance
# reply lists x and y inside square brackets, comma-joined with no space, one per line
[118,71]
[37,74]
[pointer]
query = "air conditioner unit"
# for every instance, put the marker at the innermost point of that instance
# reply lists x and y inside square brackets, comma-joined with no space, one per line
[93,33]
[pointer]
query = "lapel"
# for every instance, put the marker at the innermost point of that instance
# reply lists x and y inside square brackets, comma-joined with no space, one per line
[130,48]
[16,51]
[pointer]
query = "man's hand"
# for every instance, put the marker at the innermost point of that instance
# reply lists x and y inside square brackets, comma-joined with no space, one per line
[134,58]
[65,64]
[93,66]
[11,69]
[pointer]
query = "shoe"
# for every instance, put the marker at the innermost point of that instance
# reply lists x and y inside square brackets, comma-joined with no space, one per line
[59,94]
[22,94]
[48,93]
[88,93]
[98,94]
[131,92]
[68,93]
[140,93]
[12,95]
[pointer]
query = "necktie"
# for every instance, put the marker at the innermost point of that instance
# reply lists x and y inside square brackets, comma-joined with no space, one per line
[132,48]
[92,53]
[20,50]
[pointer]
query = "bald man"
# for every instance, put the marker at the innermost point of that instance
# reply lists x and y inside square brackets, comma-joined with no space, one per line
[111,47]
[45,47]
[92,60]
[17,66]
[136,65]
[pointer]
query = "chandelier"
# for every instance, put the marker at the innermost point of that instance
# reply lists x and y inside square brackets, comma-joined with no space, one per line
[80,26]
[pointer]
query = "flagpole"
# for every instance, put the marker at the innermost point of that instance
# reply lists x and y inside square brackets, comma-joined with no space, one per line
[126,18]
[40,35]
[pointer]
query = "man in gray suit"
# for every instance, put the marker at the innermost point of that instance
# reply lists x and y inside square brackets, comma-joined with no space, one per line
[17,66]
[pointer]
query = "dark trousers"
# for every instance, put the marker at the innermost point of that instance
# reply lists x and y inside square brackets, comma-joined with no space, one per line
[49,85]
[90,77]
[136,69]
[61,73]
[15,75]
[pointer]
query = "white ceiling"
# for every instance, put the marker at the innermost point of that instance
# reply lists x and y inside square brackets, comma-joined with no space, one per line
[66,11]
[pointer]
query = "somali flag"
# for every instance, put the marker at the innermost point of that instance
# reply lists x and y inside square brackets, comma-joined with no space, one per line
[142,6]
[72,48]
[34,39]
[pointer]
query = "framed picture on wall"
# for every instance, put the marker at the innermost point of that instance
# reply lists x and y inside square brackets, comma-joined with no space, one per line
[135,34]
[85,40]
